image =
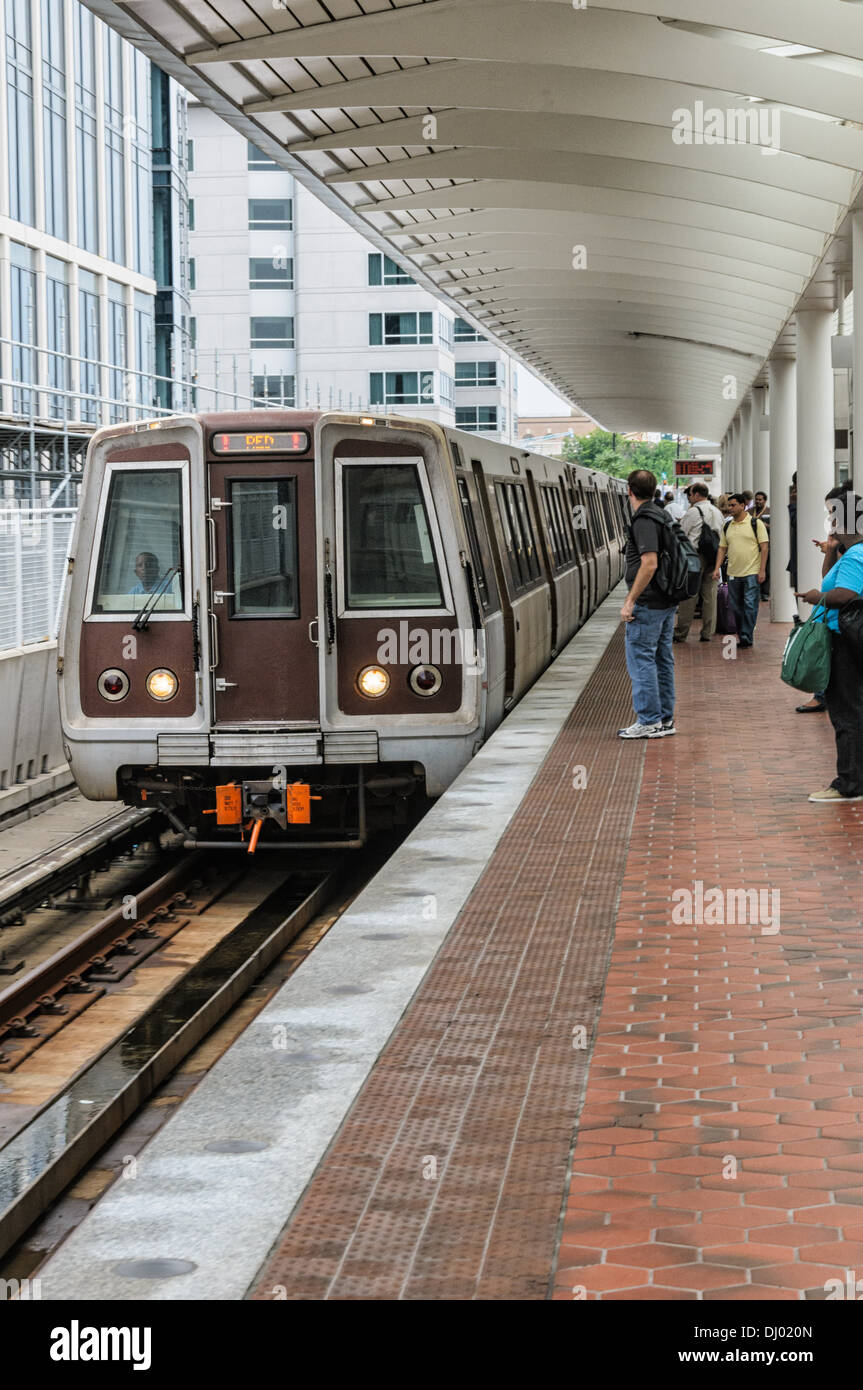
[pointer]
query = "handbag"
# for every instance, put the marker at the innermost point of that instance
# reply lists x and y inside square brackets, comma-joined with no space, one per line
[806,662]
[851,627]
[725,619]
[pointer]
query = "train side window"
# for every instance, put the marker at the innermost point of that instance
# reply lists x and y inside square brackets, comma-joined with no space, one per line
[263,554]
[567,554]
[473,542]
[509,540]
[609,519]
[389,552]
[551,527]
[595,520]
[530,550]
[580,522]
[142,542]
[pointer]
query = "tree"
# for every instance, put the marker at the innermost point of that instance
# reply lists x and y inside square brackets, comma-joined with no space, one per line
[612,454]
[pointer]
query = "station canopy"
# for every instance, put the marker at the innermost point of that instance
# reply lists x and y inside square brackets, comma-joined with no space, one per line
[633,204]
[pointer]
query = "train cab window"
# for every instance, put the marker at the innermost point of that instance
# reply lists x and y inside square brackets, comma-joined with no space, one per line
[264,548]
[473,542]
[389,553]
[142,543]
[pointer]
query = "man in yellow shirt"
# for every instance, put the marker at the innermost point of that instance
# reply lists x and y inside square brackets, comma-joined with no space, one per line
[746,544]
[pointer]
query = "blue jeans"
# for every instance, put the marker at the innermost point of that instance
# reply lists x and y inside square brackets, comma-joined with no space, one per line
[650,662]
[745,595]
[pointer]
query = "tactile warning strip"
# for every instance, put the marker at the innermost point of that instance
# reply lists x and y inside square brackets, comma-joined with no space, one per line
[446,1179]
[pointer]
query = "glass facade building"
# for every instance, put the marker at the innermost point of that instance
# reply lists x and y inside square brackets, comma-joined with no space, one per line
[93,245]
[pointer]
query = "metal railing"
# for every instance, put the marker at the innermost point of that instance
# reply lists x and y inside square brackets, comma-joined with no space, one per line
[34,546]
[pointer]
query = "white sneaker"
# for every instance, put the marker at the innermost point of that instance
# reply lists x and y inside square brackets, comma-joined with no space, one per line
[641,731]
[668,728]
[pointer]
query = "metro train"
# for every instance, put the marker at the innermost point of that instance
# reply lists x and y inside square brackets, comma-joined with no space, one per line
[283,626]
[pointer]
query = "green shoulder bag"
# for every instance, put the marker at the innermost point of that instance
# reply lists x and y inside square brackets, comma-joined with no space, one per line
[806,663]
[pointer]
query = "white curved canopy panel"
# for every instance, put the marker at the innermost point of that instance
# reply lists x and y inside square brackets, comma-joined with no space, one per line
[632,204]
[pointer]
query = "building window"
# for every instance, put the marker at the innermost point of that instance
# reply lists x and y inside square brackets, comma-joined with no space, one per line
[275,272]
[85,128]
[89,344]
[401,330]
[144,351]
[257,159]
[58,362]
[193,278]
[54,117]
[191,214]
[193,332]
[480,419]
[445,332]
[447,391]
[384,271]
[117,351]
[23,287]
[19,96]
[271,212]
[274,390]
[141,214]
[466,333]
[401,388]
[476,374]
[114,147]
[190,156]
[272,333]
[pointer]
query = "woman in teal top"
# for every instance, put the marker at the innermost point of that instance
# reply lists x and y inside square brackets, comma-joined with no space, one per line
[843,581]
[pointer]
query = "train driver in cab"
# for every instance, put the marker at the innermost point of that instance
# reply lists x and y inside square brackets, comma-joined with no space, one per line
[148,572]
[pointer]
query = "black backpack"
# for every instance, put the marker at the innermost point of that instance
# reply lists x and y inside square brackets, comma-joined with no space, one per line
[678,574]
[708,543]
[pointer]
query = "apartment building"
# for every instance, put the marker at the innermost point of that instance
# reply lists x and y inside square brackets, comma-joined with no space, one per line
[291,306]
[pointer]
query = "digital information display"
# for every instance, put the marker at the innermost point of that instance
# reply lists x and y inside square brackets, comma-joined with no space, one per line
[293,442]
[693,468]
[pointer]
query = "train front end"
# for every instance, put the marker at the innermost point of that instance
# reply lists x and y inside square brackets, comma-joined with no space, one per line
[268,634]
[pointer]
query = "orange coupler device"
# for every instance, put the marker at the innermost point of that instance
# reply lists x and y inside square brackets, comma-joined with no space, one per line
[298,803]
[229,804]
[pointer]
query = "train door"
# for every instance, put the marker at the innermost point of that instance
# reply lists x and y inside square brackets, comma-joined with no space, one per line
[263,591]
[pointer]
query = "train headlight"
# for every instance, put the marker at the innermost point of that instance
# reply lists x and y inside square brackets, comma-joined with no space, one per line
[425,680]
[162,684]
[373,681]
[113,685]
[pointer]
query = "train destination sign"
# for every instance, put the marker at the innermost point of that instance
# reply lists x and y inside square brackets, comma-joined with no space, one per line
[693,468]
[261,442]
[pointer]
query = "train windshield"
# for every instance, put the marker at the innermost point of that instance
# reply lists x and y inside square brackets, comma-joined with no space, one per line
[390,559]
[142,542]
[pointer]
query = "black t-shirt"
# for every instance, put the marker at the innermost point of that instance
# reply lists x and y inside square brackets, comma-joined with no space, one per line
[645,535]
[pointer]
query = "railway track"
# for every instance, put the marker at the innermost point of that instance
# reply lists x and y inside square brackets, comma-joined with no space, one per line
[267,908]
[56,870]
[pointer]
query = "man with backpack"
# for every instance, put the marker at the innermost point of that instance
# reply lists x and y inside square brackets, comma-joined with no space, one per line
[703,525]
[746,543]
[662,568]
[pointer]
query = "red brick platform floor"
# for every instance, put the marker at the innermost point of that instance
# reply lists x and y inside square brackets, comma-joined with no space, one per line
[719,1150]
[591,1099]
